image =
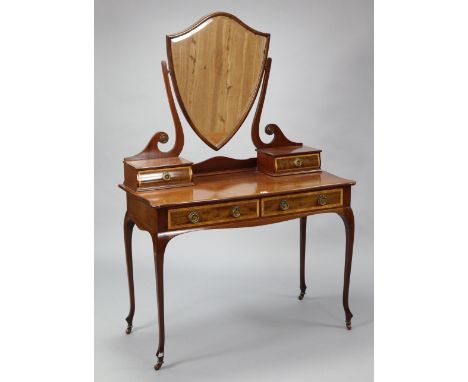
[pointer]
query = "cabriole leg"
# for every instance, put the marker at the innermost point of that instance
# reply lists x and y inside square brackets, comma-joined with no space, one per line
[302,286]
[348,219]
[128,230]
[159,247]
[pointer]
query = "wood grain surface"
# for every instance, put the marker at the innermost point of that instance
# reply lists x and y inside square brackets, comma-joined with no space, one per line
[156,178]
[213,214]
[301,202]
[311,161]
[217,67]
[239,185]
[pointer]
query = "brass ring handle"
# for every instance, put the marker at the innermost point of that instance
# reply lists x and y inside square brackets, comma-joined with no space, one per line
[235,212]
[298,162]
[194,217]
[284,205]
[322,200]
[166,175]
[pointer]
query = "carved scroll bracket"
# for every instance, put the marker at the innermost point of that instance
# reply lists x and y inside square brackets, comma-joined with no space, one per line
[279,139]
[152,150]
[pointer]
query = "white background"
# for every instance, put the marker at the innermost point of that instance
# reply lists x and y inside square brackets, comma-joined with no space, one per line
[46,116]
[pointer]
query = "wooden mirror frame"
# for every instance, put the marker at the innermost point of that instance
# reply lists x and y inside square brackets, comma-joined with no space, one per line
[152,150]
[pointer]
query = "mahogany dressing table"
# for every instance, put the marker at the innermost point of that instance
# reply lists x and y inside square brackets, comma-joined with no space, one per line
[217,67]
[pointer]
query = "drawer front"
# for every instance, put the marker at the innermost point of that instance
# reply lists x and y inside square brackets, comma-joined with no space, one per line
[308,201]
[170,176]
[212,214]
[297,162]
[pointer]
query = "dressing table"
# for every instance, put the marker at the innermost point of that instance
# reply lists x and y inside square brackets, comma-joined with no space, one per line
[216,69]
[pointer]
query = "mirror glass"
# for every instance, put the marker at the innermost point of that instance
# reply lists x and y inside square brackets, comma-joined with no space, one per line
[216,69]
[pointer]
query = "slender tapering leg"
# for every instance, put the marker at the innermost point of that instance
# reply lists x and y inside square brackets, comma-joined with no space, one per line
[128,230]
[159,247]
[303,227]
[348,219]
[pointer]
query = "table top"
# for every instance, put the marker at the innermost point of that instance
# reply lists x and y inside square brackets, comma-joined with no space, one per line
[238,185]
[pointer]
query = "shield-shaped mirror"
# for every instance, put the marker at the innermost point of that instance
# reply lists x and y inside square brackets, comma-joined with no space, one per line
[216,67]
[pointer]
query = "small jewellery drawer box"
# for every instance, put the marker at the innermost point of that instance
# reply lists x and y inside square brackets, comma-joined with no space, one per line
[153,174]
[288,160]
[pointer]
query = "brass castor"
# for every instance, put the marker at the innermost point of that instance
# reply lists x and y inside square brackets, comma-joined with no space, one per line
[160,356]
[129,329]
[348,325]
[301,296]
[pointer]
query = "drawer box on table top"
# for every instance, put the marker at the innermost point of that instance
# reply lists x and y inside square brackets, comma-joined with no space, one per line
[278,161]
[302,202]
[153,174]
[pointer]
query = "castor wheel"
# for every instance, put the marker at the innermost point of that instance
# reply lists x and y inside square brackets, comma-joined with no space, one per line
[348,325]
[301,296]
[160,356]
[129,329]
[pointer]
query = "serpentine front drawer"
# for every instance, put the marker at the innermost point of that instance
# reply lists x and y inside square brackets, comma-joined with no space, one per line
[302,202]
[211,214]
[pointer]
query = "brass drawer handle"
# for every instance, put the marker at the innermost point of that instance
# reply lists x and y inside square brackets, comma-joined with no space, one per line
[322,200]
[235,211]
[166,175]
[284,205]
[194,217]
[298,162]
